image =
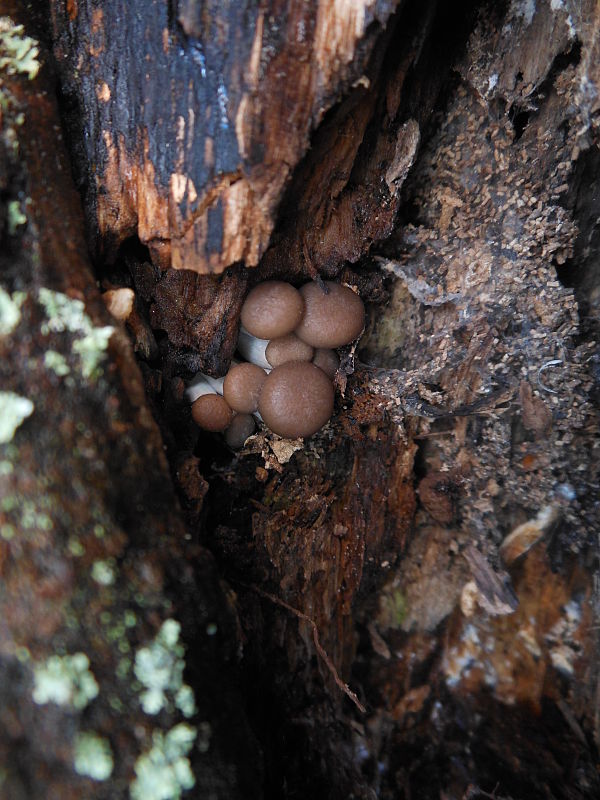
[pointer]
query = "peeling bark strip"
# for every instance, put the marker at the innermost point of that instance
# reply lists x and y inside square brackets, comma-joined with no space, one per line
[197,112]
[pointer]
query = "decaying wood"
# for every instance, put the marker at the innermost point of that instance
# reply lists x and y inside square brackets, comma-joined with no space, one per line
[94,556]
[441,533]
[199,111]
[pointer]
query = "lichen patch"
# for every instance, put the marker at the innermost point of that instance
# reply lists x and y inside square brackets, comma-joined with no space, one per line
[159,668]
[14,409]
[68,314]
[92,756]
[65,680]
[18,53]
[164,772]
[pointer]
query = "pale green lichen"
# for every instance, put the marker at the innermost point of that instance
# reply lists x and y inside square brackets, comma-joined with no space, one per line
[92,756]
[10,311]
[14,409]
[164,772]
[75,547]
[65,680]
[18,53]
[129,618]
[16,217]
[6,468]
[7,531]
[103,572]
[56,362]
[67,314]
[159,668]
[32,518]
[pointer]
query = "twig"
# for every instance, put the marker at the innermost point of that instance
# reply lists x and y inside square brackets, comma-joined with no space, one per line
[320,650]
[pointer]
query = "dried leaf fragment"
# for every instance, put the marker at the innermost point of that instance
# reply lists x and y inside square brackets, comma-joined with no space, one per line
[535,414]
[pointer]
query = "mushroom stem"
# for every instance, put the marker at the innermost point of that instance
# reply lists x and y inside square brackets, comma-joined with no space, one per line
[202,385]
[216,383]
[253,349]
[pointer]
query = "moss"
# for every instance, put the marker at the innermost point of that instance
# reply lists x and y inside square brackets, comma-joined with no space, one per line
[65,680]
[67,314]
[14,409]
[164,772]
[159,668]
[393,608]
[92,756]
[18,53]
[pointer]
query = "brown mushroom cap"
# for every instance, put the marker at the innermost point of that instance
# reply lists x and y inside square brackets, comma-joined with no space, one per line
[332,319]
[242,385]
[211,413]
[327,360]
[242,426]
[272,309]
[287,348]
[296,399]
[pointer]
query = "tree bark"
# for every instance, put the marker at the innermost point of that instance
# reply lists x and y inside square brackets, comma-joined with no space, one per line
[413,591]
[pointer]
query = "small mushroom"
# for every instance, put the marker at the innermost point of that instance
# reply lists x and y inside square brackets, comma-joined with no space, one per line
[212,413]
[242,386]
[242,426]
[327,360]
[331,318]
[296,399]
[287,348]
[119,302]
[272,309]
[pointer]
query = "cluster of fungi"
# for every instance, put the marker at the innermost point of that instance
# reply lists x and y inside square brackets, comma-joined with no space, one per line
[288,339]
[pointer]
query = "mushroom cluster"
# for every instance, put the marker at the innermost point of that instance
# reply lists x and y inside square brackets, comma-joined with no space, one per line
[288,339]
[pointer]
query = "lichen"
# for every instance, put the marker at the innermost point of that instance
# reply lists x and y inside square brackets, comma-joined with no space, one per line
[10,311]
[16,217]
[159,668]
[92,756]
[65,680]
[18,53]
[14,409]
[103,572]
[67,314]
[164,772]
[56,362]
[75,547]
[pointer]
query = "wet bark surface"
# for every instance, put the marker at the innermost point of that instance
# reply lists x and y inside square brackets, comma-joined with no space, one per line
[411,593]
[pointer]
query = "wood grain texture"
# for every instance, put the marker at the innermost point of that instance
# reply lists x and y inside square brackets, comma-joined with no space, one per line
[195,113]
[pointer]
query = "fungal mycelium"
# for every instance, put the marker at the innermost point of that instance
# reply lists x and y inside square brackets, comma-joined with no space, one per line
[288,338]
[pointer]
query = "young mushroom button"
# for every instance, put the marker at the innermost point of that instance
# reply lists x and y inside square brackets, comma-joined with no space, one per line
[211,412]
[327,360]
[242,426]
[242,386]
[296,399]
[287,348]
[331,319]
[272,309]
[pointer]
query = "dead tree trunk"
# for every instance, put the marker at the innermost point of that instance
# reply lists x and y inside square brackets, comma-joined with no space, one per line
[412,594]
